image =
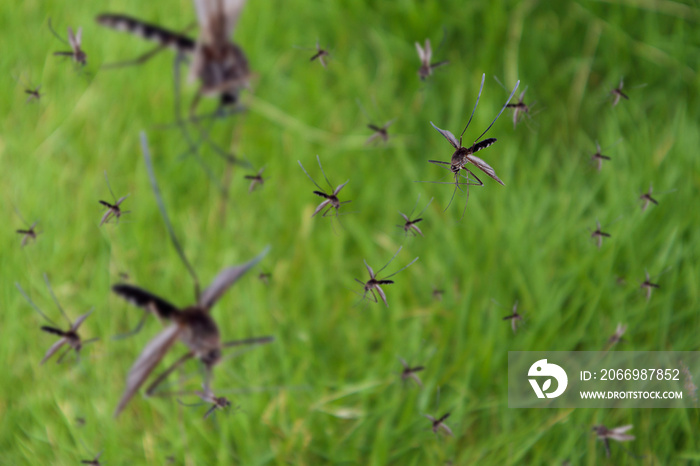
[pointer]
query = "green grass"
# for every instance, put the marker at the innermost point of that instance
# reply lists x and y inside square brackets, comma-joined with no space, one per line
[327,391]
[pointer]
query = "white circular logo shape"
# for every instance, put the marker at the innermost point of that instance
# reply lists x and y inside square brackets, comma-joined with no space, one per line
[542,368]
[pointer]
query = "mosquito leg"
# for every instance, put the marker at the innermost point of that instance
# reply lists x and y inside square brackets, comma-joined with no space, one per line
[133,332]
[151,388]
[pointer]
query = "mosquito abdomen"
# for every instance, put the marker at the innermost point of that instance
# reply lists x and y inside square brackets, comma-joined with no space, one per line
[148,31]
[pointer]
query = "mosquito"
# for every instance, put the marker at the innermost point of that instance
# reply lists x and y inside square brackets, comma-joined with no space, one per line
[465,155]
[648,285]
[381,132]
[217,402]
[410,226]
[617,336]
[375,283]
[520,108]
[437,294]
[28,233]
[514,318]
[95,461]
[598,234]
[425,54]
[74,41]
[255,180]
[320,54]
[330,200]
[618,434]
[647,199]
[411,372]
[265,277]
[34,93]
[70,336]
[439,424]
[598,157]
[113,210]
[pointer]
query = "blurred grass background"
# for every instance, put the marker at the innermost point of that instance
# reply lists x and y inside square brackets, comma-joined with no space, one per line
[328,390]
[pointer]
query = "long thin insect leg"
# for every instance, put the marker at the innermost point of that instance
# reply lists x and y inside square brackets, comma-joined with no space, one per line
[387,264]
[502,108]
[136,330]
[114,198]
[36,308]
[53,31]
[55,300]
[151,388]
[309,176]
[483,77]
[402,268]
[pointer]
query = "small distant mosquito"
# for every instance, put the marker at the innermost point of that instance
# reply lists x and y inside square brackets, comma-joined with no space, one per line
[218,402]
[331,200]
[617,336]
[265,277]
[95,461]
[320,54]
[465,155]
[379,132]
[411,372]
[28,233]
[520,108]
[425,54]
[617,93]
[648,285]
[647,199]
[410,226]
[375,283]
[113,210]
[439,424]
[514,318]
[618,434]
[437,294]
[74,41]
[255,180]
[70,336]
[598,157]
[599,234]
[34,93]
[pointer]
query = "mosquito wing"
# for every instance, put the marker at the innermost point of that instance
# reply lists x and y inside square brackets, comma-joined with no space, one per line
[618,433]
[225,279]
[337,190]
[217,18]
[421,53]
[146,300]
[148,359]
[121,199]
[79,321]
[449,136]
[484,167]
[55,347]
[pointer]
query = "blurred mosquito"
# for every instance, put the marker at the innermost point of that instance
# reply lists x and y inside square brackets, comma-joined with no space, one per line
[437,294]
[74,41]
[320,54]
[515,318]
[617,336]
[411,372]
[331,200]
[217,402]
[648,285]
[69,337]
[598,234]
[439,424]
[618,434]
[29,233]
[34,93]
[465,155]
[375,284]
[265,277]
[255,180]
[380,132]
[425,54]
[598,158]
[113,210]
[410,226]
[520,108]
[95,461]
[647,199]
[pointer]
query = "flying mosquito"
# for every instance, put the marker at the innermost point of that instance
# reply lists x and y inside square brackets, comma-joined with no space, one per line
[647,199]
[330,200]
[437,294]
[617,336]
[514,318]
[425,54]
[410,226]
[598,157]
[381,132]
[220,65]
[411,372]
[255,180]
[320,54]
[34,93]
[265,277]
[618,434]
[648,285]
[113,210]
[598,234]
[95,461]
[375,284]
[465,155]
[70,336]
[439,424]
[74,41]
[217,402]
[29,233]
[520,108]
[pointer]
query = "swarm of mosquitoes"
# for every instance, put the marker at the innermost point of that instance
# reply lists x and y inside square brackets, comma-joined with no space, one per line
[222,70]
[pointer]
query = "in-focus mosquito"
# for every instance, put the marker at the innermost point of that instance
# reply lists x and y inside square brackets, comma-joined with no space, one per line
[465,155]
[375,284]
[74,41]
[255,180]
[598,234]
[617,336]
[648,285]
[411,372]
[29,233]
[113,210]
[69,337]
[425,54]
[410,225]
[330,200]
[618,434]
[439,424]
[515,318]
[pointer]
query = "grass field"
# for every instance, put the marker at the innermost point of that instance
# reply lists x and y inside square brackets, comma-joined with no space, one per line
[328,390]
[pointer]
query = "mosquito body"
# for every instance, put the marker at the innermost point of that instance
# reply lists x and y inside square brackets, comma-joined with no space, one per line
[255,180]
[520,109]
[411,372]
[515,318]
[618,434]
[220,65]
[330,200]
[375,284]
[265,277]
[320,55]
[439,424]
[617,336]
[437,294]
[69,337]
[598,234]
[217,402]
[28,234]
[113,210]
[411,225]
[647,199]
[617,93]
[648,285]
[425,54]
[34,93]
[598,158]
[95,461]
[75,42]
[380,132]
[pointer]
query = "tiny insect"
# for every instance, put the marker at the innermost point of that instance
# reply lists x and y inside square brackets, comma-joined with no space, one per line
[265,277]
[617,336]
[617,93]
[410,225]
[411,372]
[69,337]
[425,54]
[648,285]
[380,132]
[598,157]
[375,284]
[95,461]
[514,318]
[217,402]
[618,434]
[439,424]
[255,180]
[598,234]
[465,155]
[320,54]
[646,198]
[330,200]
[34,93]
[113,210]
[75,42]
[437,294]
[29,233]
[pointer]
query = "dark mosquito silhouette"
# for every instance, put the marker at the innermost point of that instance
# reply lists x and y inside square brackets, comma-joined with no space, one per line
[515,318]
[598,234]
[465,155]
[648,285]
[320,54]
[95,461]
[425,54]
[192,325]
[410,225]
[647,199]
[255,180]
[617,336]
[411,372]
[618,434]
[330,200]
[380,132]
[265,277]
[520,109]
[617,93]
[34,93]
[69,337]
[598,158]
[439,424]
[29,233]
[437,294]
[207,396]
[375,284]
[113,210]
[75,42]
